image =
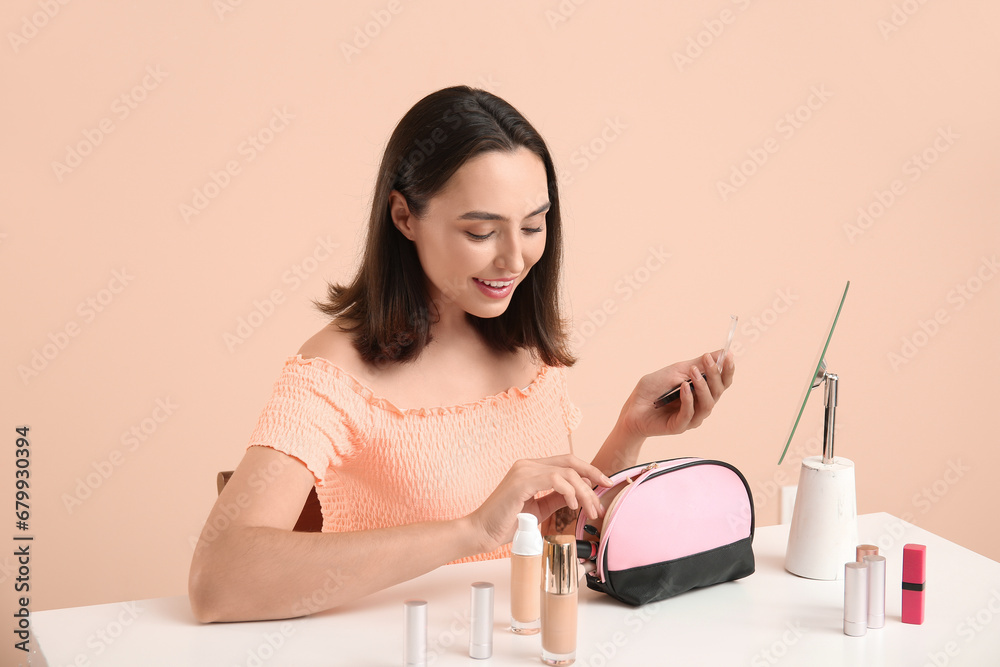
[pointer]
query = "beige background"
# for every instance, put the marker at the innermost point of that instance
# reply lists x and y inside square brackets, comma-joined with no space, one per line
[161,96]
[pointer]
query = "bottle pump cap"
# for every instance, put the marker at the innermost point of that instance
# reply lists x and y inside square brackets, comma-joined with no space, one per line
[527,539]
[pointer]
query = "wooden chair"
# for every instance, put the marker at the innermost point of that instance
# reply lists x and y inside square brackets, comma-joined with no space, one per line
[311,518]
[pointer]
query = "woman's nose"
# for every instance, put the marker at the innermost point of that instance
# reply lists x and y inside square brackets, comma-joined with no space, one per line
[509,256]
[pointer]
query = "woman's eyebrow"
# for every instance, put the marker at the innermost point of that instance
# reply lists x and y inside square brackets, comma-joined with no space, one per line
[484,215]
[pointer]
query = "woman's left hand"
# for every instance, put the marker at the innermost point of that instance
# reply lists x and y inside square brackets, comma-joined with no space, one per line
[638,416]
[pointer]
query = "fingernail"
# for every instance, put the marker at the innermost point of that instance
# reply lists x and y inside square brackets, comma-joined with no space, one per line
[607,480]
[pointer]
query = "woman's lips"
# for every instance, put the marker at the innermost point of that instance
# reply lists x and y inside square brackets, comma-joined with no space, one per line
[494,292]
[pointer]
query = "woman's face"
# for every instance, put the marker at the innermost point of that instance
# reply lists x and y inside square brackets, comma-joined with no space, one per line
[487,225]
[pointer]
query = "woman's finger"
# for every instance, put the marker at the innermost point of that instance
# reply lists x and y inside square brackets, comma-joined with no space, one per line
[682,418]
[714,377]
[701,391]
[547,505]
[582,468]
[704,403]
[564,488]
[728,368]
[584,493]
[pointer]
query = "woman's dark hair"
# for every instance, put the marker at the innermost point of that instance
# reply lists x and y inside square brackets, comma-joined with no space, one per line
[387,302]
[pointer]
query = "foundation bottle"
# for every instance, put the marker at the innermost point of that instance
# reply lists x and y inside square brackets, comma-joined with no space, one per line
[525,576]
[559,600]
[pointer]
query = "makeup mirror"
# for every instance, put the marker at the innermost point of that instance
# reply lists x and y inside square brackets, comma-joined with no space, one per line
[824,526]
[817,373]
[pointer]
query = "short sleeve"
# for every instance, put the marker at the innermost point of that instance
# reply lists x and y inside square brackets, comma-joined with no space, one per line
[571,414]
[303,419]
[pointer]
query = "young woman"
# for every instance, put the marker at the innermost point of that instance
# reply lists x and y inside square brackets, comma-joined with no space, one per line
[433,408]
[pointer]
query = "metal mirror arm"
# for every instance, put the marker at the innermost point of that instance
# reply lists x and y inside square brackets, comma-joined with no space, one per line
[830,408]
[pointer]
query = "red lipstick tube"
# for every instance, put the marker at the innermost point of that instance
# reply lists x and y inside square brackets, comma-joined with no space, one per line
[914,580]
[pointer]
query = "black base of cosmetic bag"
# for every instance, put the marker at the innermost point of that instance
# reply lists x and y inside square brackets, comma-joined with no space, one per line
[651,583]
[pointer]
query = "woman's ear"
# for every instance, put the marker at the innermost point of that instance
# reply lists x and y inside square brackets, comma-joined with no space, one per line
[402,218]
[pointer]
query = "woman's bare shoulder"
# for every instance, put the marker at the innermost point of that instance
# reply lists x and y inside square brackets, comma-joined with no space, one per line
[335,345]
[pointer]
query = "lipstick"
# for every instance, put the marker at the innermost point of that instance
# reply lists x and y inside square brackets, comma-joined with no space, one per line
[586,550]
[415,648]
[865,550]
[855,599]
[481,632]
[876,591]
[914,579]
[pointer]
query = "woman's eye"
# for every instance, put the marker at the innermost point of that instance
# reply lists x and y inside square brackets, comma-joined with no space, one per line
[483,237]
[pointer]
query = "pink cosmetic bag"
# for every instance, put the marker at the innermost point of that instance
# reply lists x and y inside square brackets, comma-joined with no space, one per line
[671,526]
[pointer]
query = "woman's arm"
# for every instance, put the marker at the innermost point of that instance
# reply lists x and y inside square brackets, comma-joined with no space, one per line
[619,451]
[250,565]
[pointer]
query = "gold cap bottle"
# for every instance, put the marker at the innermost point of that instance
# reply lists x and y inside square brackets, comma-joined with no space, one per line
[559,599]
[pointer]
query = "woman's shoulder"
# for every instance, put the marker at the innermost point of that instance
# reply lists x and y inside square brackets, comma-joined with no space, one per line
[329,363]
[332,347]
[333,344]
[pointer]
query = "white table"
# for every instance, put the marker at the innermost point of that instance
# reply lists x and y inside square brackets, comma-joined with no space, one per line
[768,618]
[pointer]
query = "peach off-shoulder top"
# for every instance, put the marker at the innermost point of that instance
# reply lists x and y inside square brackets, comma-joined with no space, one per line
[377,465]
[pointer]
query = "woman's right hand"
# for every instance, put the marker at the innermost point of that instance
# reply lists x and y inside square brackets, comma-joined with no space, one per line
[570,479]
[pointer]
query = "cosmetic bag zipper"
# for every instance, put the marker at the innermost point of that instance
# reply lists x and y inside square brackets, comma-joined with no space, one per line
[622,474]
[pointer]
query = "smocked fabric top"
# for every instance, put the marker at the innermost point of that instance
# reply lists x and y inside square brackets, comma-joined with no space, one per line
[376,465]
